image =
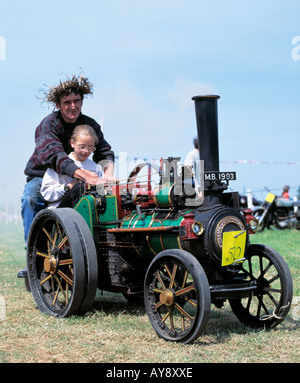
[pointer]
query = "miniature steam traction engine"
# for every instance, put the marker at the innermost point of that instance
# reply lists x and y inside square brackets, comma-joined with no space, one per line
[180,255]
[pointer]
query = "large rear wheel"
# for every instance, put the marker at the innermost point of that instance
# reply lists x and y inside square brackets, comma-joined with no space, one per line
[62,262]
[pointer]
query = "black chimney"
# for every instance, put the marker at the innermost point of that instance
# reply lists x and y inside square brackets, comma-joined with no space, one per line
[207,129]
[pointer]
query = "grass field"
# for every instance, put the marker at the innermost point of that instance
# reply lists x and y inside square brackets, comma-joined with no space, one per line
[116,331]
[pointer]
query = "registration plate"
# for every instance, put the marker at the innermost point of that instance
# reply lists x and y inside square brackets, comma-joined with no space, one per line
[233,249]
[219,176]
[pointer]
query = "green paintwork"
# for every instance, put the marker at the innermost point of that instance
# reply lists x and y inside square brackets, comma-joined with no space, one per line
[156,241]
[87,208]
[162,196]
[111,211]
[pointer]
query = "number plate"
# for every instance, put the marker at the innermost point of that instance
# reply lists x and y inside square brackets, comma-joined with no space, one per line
[233,249]
[270,197]
[219,176]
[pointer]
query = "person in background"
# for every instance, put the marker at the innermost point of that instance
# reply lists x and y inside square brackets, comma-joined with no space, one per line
[285,192]
[192,160]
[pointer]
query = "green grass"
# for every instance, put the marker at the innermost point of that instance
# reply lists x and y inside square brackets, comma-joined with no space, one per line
[118,331]
[287,243]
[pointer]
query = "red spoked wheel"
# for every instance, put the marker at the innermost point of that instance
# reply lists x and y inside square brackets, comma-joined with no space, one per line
[142,178]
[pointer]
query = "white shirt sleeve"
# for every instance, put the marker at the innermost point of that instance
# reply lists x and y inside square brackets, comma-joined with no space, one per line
[52,188]
[53,184]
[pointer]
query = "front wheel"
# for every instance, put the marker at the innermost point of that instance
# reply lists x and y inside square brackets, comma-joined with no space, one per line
[177,296]
[269,304]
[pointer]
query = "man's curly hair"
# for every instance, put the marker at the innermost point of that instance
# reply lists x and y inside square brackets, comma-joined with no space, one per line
[76,84]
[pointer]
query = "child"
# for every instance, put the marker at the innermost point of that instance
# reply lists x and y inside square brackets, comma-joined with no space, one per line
[61,190]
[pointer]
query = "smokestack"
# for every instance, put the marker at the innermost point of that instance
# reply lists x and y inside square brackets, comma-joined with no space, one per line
[207,129]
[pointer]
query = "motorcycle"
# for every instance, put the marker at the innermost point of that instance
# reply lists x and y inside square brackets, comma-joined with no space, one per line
[278,212]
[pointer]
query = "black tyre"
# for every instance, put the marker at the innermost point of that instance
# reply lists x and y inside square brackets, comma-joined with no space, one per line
[177,296]
[268,305]
[62,262]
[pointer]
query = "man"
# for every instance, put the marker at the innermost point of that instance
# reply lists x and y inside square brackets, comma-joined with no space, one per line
[52,146]
[192,160]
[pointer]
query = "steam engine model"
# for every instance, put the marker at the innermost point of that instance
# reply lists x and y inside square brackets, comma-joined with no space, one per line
[155,243]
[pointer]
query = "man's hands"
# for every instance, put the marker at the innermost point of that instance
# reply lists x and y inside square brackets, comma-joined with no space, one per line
[92,178]
[87,176]
[109,173]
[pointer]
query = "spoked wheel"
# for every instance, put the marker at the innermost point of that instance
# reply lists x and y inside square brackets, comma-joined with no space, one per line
[270,302]
[142,178]
[177,296]
[62,262]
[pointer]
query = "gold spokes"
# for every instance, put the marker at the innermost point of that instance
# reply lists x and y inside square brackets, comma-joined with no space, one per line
[177,303]
[56,264]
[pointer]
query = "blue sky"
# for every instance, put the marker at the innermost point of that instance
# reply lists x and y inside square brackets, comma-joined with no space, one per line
[147,59]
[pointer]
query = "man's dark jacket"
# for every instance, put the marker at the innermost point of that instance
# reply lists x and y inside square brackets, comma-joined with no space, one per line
[52,146]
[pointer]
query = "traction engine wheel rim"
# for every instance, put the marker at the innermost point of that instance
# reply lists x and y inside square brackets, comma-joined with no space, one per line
[177,296]
[59,259]
[91,261]
[269,304]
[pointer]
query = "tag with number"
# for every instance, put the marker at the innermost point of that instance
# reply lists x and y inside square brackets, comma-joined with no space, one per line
[233,248]
[270,197]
